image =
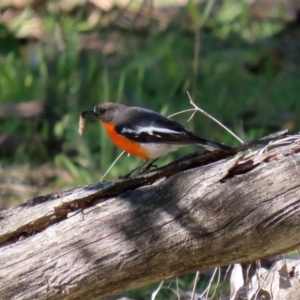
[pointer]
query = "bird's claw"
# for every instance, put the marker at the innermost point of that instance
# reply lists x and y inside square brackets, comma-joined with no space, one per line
[148,168]
[128,175]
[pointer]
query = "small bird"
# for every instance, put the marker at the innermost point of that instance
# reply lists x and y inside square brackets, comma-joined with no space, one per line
[143,132]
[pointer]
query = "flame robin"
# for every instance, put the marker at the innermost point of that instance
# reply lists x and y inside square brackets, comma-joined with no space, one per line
[143,132]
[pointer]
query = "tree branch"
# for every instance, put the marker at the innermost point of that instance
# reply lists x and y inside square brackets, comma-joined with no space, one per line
[199,212]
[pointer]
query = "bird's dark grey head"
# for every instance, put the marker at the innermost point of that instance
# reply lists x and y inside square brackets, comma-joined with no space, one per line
[107,112]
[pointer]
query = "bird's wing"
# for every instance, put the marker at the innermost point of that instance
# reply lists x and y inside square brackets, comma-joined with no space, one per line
[146,126]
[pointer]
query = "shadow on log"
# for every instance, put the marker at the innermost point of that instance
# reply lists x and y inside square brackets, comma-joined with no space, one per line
[208,209]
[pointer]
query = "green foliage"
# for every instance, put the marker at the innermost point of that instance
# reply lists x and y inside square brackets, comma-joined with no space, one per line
[182,286]
[8,42]
[152,70]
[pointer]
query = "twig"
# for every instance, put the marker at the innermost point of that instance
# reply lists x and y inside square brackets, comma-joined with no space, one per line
[212,118]
[112,165]
[180,112]
[218,282]
[247,281]
[195,284]
[209,284]
[258,263]
[225,276]
[191,117]
[154,294]
[177,288]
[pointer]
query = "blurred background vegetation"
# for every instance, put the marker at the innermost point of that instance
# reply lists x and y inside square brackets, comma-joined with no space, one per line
[239,59]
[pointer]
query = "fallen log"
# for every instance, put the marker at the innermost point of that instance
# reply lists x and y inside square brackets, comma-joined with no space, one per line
[207,209]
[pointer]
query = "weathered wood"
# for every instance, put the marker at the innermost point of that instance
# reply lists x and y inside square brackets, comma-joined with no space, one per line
[41,211]
[110,237]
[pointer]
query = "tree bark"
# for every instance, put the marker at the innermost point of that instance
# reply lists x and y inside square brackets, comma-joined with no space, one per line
[109,237]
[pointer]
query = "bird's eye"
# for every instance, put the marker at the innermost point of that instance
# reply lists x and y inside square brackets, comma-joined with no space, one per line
[102,110]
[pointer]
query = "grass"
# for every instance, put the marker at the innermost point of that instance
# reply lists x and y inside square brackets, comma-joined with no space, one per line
[152,70]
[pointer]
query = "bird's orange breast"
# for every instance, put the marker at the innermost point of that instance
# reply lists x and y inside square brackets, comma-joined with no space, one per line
[125,144]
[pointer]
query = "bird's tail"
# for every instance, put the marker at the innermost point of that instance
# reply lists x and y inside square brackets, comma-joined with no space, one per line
[212,144]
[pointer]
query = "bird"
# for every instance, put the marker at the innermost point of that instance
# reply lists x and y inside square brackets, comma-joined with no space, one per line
[143,132]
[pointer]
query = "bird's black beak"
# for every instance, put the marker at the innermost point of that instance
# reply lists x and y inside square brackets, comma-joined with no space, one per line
[88,112]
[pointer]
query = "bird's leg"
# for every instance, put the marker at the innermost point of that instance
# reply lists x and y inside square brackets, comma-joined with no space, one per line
[140,166]
[149,166]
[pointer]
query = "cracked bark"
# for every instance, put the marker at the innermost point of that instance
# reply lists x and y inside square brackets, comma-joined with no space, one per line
[207,209]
